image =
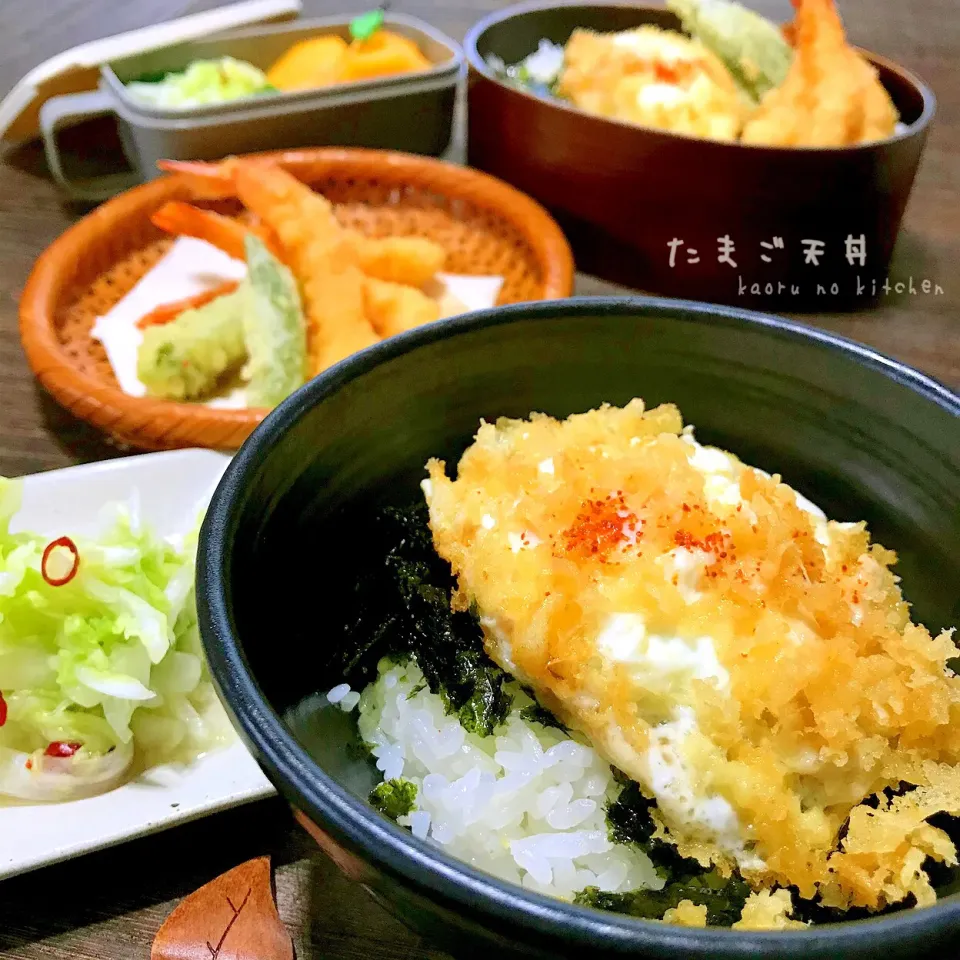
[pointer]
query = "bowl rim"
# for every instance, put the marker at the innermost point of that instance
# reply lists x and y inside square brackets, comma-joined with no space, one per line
[394,849]
[478,65]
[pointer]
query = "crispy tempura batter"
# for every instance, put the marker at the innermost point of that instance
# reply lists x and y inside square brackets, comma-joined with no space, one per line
[412,261]
[394,308]
[768,911]
[752,665]
[831,97]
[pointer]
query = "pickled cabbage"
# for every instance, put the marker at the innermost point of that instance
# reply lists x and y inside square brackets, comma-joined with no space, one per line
[102,667]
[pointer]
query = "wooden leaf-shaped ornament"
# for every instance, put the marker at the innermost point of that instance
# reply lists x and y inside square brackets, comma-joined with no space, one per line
[231,918]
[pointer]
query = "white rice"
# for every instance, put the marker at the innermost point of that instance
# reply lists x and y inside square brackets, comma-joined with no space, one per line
[341,695]
[527,804]
[546,62]
[338,692]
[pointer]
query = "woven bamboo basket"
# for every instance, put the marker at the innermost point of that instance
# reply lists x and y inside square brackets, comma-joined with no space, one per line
[487,228]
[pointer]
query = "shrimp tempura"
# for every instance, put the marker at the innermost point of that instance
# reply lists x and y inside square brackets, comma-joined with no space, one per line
[831,96]
[319,253]
[409,260]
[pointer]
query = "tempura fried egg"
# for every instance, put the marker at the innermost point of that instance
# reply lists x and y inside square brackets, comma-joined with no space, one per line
[652,77]
[749,663]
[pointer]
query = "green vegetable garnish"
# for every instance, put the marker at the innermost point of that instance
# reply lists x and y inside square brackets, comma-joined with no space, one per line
[537,714]
[261,323]
[402,609]
[538,73]
[751,47]
[474,691]
[394,798]
[628,817]
[155,76]
[723,899]
[274,329]
[629,820]
[367,24]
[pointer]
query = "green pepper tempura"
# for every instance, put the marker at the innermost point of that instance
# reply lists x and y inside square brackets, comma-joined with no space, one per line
[257,332]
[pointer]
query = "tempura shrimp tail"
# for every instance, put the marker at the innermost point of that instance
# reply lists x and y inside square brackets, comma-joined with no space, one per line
[225,233]
[818,23]
[210,181]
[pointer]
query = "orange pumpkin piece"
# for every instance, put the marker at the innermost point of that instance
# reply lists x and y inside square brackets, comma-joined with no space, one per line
[382,54]
[316,62]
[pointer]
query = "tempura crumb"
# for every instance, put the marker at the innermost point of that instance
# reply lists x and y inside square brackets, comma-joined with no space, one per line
[687,914]
[768,911]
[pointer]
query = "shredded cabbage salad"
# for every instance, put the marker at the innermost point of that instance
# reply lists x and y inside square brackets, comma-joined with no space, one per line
[202,82]
[100,658]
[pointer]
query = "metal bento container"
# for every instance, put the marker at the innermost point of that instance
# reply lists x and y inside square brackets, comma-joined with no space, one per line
[412,112]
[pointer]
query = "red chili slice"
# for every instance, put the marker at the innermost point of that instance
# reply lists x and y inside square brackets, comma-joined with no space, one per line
[67,544]
[60,749]
[3,710]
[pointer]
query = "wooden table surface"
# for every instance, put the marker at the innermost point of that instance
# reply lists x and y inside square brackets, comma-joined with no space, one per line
[110,905]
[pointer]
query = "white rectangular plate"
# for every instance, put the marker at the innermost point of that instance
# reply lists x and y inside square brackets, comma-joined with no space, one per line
[171,487]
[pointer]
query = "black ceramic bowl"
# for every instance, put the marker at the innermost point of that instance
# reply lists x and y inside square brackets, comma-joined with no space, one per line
[862,435]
